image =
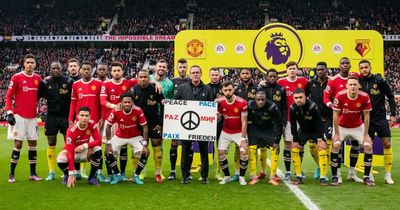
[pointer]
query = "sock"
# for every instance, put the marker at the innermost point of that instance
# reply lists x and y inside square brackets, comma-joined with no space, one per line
[314,152]
[113,163]
[14,160]
[77,166]
[224,167]
[367,164]
[263,159]
[274,161]
[340,157]
[388,158]
[334,163]
[328,148]
[173,155]
[287,158]
[237,159]
[123,159]
[354,151]
[135,161]
[108,168]
[100,168]
[141,164]
[83,167]
[51,157]
[296,158]
[253,159]
[243,165]
[64,168]
[301,153]
[322,163]
[94,163]
[32,156]
[157,156]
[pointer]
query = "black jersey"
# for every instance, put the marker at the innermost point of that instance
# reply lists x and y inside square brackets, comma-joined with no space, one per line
[316,88]
[277,94]
[308,118]
[247,92]
[378,89]
[150,101]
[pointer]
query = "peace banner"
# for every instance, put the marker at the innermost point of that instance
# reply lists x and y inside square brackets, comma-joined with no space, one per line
[190,120]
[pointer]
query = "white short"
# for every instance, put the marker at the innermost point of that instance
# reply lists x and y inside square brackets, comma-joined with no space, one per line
[135,142]
[225,139]
[78,157]
[287,133]
[352,133]
[24,129]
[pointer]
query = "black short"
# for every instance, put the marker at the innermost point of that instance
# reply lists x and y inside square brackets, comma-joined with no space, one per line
[54,124]
[328,128]
[154,134]
[380,127]
[261,138]
[305,137]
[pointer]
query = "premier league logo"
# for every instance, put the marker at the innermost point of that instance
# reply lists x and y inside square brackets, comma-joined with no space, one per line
[277,49]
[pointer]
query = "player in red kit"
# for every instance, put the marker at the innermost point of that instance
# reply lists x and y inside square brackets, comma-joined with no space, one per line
[86,92]
[234,129]
[128,119]
[348,108]
[109,99]
[82,144]
[336,84]
[23,88]
[290,83]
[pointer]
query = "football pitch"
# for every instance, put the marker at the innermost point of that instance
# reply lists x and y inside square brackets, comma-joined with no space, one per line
[25,194]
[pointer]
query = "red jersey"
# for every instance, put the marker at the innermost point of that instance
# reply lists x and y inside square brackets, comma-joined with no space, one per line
[127,122]
[335,85]
[24,90]
[111,91]
[290,86]
[77,136]
[351,109]
[86,94]
[232,113]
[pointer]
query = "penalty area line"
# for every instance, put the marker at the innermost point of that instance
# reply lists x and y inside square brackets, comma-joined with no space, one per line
[296,191]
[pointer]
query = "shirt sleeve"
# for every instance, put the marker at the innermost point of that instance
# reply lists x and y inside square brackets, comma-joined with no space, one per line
[10,93]
[111,118]
[293,124]
[142,118]
[336,103]
[96,137]
[328,92]
[70,147]
[72,106]
[367,104]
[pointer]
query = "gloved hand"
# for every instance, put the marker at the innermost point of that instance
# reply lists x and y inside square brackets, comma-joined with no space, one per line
[11,119]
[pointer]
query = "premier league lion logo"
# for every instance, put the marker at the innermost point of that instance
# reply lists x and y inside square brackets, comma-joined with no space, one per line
[277,49]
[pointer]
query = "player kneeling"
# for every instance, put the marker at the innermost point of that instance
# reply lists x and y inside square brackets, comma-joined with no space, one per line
[83,143]
[304,112]
[128,119]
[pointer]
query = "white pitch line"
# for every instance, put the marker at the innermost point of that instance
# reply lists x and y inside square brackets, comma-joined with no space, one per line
[299,194]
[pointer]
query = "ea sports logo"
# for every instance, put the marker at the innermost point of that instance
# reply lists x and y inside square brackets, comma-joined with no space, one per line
[275,45]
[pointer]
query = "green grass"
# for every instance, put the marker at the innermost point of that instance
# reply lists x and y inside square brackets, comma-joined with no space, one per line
[172,195]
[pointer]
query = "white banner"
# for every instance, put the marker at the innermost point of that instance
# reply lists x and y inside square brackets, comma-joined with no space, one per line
[89,38]
[391,37]
[190,120]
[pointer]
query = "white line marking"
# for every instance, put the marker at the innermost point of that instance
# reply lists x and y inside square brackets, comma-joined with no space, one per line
[299,194]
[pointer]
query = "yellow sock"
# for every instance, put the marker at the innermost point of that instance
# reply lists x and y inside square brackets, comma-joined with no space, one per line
[253,159]
[388,158]
[296,161]
[83,167]
[328,149]
[323,162]
[263,159]
[237,159]
[51,157]
[157,156]
[274,161]
[135,161]
[314,152]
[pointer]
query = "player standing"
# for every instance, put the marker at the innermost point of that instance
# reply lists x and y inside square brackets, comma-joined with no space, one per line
[21,117]
[234,129]
[291,82]
[348,107]
[378,89]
